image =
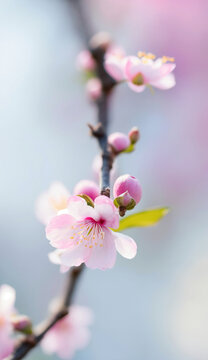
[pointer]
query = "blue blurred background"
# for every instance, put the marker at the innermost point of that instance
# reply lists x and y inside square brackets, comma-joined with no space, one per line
[155,306]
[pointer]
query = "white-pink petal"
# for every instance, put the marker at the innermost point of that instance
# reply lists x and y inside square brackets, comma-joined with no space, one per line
[78,208]
[51,201]
[7,299]
[75,255]
[125,245]
[105,210]
[69,334]
[165,83]
[115,67]
[59,231]
[103,257]
[136,88]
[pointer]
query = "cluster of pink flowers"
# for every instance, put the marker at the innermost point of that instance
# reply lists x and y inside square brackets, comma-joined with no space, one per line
[138,71]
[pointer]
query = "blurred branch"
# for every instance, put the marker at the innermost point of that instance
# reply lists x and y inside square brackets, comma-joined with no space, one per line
[100,132]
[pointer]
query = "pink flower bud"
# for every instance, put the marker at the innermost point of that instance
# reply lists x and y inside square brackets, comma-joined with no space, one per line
[85,61]
[87,187]
[134,135]
[119,141]
[94,89]
[124,200]
[128,183]
[22,323]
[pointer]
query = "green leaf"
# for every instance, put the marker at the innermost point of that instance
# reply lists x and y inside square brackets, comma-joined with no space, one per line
[129,149]
[87,199]
[143,219]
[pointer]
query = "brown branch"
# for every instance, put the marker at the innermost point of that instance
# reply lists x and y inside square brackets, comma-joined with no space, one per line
[100,132]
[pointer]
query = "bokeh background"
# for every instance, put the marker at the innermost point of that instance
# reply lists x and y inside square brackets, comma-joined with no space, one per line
[154,307]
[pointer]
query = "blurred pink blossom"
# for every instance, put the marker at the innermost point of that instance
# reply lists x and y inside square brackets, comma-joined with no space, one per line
[85,61]
[87,187]
[119,141]
[115,61]
[69,334]
[7,300]
[143,71]
[94,89]
[51,201]
[83,234]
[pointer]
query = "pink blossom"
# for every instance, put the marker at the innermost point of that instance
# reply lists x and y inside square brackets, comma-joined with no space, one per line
[115,62]
[69,334]
[94,89]
[144,70]
[87,187]
[7,300]
[82,234]
[85,61]
[130,184]
[119,141]
[51,201]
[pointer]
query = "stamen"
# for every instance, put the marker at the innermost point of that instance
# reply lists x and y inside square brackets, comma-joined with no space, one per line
[167,58]
[88,233]
[141,54]
[146,56]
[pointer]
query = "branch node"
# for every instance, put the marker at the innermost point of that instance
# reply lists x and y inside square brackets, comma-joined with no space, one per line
[96,131]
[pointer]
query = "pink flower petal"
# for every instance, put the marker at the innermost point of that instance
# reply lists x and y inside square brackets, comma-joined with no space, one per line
[59,231]
[6,345]
[75,256]
[132,67]
[136,88]
[78,208]
[51,201]
[106,211]
[7,299]
[103,257]
[156,71]
[69,334]
[166,82]
[125,245]
[81,315]
[115,67]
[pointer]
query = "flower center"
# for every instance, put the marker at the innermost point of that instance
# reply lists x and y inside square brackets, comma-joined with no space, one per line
[88,233]
[138,79]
